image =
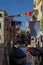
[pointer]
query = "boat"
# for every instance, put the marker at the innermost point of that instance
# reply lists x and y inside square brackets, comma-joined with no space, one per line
[17,56]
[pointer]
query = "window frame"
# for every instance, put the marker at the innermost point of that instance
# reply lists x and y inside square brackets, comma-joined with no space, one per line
[0,25]
[0,14]
[41,8]
[0,36]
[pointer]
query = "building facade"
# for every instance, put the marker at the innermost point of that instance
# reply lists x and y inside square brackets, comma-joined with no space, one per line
[7,27]
[3,25]
[37,9]
[38,12]
[7,36]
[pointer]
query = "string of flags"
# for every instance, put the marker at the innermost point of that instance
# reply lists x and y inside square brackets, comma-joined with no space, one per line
[24,14]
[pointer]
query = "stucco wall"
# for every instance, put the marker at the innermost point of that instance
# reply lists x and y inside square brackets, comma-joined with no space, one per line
[2,28]
[39,16]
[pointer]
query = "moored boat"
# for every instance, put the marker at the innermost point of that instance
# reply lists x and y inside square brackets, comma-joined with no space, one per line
[17,56]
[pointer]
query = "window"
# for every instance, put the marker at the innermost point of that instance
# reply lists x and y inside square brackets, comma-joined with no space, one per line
[0,36]
[32,39]
[36,12]
[35,40]
[0,15]
[41,8]
[0,25]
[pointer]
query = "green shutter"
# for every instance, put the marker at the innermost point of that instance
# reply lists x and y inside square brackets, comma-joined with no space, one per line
[41,25]
[36,12]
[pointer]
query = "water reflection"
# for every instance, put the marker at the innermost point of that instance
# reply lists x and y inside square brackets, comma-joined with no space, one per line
[26,62]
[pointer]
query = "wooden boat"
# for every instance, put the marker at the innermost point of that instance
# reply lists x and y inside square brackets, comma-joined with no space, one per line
[17,56]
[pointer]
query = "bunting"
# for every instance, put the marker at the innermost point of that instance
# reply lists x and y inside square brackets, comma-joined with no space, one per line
[27,14]
[24,14]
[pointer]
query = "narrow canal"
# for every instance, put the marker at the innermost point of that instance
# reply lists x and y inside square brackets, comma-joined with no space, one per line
[24,49]
[19,56]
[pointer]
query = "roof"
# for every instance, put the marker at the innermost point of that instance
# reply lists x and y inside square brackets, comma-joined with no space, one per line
[18,22]
[3,10]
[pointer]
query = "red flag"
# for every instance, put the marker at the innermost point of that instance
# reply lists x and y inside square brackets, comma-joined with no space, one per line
[30,13]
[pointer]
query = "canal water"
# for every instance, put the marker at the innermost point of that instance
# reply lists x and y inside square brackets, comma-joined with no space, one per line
[24,49]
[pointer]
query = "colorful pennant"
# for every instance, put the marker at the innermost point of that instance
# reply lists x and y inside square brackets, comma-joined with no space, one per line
[25,14]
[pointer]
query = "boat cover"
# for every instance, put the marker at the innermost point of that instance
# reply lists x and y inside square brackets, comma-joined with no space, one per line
[17,53]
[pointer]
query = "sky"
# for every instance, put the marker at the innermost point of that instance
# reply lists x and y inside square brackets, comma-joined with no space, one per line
[14,7]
